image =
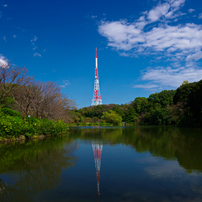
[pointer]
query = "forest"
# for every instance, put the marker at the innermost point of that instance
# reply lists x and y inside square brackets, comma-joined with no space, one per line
[182,107]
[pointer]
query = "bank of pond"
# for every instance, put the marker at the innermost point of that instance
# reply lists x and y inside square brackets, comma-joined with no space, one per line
[14,127]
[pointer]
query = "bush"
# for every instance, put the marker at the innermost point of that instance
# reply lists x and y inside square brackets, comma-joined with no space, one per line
[111,117]
[10,126]
[10,112]
[30,126]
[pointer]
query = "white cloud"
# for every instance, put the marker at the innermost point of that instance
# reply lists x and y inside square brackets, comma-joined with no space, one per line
[3,62]
[170,77]
[65,83]
[161,37]
[5,5]
[158,11]
[177,3]
[200,16]
[165,169]
[154,34]
[191,10]
[196,56]
[14,36]
[34,39]
[146,86]
[122,35]
[166,10]
[4,38]
[93,16]
[37,54]
[165,38]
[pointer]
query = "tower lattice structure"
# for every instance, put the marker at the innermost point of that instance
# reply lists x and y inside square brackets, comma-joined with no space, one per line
[96,93]
[97,151]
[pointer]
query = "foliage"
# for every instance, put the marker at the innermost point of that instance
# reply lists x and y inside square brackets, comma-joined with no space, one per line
[10,112]
[183,92]
[155,110]
[15,126]
[164,98]
[140,104]
[192,94]
[95,111]
[112,117]
[185,82]
[182,106]
[7,102]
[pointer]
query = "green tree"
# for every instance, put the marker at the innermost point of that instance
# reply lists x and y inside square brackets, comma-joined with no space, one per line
[140,104]
[111,117]
[183,92]
[129,114]
[87,120]
[185,82]
[164,98]
[194,101]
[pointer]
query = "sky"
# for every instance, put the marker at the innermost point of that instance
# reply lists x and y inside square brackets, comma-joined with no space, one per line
[143,46]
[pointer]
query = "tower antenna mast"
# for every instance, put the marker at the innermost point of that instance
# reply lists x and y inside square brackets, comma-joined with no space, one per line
[96,92]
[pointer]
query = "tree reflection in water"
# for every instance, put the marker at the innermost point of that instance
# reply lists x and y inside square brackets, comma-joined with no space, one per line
[35,166]
[171,143]
[26,170]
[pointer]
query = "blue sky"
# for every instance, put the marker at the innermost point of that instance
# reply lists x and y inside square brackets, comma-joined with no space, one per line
[143,46]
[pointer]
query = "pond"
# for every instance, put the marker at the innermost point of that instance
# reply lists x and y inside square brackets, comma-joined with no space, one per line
[125,164]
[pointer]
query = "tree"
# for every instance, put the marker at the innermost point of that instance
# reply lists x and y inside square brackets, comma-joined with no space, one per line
[111,117]
[140,104]
[44,100]
[87,120]
[194,101]
[11,79]
[164,98]
[129,114]
[182,93]
[185,82]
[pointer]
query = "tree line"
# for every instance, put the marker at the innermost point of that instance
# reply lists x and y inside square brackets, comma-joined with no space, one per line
[30,108]
[30,97]
[182,107]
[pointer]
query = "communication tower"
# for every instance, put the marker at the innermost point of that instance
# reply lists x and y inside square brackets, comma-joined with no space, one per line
[96,93]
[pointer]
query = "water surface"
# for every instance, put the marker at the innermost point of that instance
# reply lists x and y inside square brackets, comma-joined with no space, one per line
[105,164]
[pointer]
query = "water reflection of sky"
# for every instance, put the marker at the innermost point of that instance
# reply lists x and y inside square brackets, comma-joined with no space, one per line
[127,173]
[127,176]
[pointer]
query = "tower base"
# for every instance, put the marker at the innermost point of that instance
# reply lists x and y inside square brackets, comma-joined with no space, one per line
[96,102]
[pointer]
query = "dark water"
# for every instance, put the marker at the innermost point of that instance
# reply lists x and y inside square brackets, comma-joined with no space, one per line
[105,164]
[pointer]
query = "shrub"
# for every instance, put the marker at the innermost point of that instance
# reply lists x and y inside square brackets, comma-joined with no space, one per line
[10,112]
[30,126]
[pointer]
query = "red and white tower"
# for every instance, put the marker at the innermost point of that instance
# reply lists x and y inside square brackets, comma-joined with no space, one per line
[96,93]
[97,151]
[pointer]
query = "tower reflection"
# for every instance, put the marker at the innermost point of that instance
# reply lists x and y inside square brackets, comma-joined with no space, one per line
[97,151]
